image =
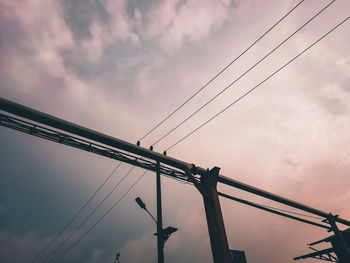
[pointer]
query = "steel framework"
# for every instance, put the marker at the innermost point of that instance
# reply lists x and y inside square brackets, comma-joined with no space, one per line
[89,146]
[48,127]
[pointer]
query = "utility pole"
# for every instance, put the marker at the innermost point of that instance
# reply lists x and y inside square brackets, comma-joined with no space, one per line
[160,241]
[162,234]
[216,227]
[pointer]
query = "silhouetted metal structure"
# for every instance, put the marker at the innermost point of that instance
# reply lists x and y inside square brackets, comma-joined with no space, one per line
[238,256]
[339,252]
[160,240]
[51,128]
[324,254]
[333,254]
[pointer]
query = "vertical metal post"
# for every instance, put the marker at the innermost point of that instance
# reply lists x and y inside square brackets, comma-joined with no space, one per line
[160,242]
[339,244]
[216,227]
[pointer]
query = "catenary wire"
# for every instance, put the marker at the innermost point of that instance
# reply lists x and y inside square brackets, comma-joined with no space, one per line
[243,74]
[98,221]
[283,210]
[75,215]
[271,208]
[255,87]
[291,212]
[90,214]
[221,71]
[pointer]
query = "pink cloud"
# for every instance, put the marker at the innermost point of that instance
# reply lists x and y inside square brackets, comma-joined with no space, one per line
[121,25]
[38,54]
[175,22]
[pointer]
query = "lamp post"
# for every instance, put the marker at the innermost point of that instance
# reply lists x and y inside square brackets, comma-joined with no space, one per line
[162,234]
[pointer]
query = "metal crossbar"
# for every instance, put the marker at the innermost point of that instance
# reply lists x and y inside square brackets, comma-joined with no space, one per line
[89,146]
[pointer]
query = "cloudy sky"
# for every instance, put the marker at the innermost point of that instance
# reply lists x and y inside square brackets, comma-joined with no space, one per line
[120,67]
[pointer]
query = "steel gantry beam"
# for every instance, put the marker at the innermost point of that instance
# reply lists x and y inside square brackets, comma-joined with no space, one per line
[54,122]
[87,145]
[64,132]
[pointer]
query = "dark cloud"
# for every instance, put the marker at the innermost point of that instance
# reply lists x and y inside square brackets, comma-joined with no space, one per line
[346,86]
[11,31]
[334,105]
[143,6]
[80,15]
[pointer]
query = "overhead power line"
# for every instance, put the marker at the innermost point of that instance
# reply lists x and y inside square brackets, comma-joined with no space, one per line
[255,87]
[221,71]
[291,212]
[98,221]
[274,210]
[90,214]
[75,215]
[243,74]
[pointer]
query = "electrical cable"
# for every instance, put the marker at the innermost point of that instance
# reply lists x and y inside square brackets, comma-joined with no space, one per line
[243,74]
[105,214]
[291,212]
[75,216]
[274,210]
[90,214]
[284,210]
[221,71]
[255,87]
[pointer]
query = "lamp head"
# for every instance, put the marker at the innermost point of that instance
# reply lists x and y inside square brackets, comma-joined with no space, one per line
[140,203]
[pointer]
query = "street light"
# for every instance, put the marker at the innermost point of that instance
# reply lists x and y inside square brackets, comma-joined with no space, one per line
[165,232]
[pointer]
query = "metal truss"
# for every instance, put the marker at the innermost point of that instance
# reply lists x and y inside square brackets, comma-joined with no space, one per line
[89,146]
[51,128]
[327,256]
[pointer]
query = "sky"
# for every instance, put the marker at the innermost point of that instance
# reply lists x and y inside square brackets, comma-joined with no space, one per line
[120,67]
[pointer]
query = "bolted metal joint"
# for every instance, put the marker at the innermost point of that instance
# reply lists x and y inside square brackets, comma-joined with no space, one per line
[210,179]
[194,169]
